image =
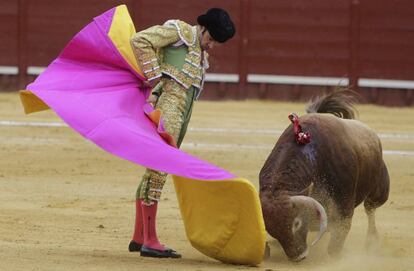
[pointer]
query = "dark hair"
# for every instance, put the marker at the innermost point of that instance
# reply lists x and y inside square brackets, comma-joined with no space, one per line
[218,23]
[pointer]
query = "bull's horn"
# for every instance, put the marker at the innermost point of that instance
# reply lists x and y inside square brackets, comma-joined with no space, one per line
[314,205]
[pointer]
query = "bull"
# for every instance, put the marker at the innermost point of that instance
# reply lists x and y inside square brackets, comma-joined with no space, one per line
[303,186]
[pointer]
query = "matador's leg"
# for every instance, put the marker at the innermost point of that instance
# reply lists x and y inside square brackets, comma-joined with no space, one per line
[173,105]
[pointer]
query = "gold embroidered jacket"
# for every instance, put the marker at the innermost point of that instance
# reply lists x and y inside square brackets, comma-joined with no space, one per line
[148,48]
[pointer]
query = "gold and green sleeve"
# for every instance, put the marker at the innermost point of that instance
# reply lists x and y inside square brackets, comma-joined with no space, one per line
[145,45]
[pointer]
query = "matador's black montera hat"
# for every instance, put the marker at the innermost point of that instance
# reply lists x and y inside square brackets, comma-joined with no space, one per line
[218,23]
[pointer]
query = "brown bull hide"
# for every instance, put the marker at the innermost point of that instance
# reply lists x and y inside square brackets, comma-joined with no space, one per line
[344,163]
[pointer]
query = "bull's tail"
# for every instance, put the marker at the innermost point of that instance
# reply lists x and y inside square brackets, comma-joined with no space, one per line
[340,103]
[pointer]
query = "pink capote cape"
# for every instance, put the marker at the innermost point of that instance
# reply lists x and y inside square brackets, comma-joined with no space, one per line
[94,86]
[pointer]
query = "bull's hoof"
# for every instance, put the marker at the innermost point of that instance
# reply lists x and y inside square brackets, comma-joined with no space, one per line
[266,252]
[155,253]
[372,243]
[335,253]
[134,246]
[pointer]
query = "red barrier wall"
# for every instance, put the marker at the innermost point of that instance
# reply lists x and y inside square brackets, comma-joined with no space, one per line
[351,40]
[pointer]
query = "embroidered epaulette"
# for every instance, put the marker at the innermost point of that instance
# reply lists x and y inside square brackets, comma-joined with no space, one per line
[186,32]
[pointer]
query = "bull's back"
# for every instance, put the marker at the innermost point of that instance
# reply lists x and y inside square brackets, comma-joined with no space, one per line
[344,133]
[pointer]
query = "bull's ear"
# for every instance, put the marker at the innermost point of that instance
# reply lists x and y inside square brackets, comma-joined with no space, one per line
[307,191]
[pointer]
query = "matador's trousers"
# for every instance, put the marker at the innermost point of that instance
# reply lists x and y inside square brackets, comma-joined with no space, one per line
[176,105]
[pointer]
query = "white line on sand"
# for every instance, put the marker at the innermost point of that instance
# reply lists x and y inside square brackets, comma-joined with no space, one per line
[199,129]
[267,147]
[31,123]
[185,146]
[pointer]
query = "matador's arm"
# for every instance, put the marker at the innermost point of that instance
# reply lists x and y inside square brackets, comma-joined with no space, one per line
[145,45]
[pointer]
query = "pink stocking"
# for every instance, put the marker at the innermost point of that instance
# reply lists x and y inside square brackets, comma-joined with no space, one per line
[138,236]
[149,214]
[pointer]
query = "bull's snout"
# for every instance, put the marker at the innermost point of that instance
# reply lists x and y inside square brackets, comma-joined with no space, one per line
[301,256]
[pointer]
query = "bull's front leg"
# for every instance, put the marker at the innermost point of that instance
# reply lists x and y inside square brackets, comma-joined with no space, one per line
[339,231]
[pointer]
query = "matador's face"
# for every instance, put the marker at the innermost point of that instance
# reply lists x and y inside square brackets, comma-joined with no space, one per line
[207,42]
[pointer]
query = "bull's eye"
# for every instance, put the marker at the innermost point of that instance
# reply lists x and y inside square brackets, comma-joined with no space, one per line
[297,223]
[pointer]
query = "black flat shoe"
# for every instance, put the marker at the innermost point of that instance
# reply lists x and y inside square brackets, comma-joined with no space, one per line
[134,246]
[155,253]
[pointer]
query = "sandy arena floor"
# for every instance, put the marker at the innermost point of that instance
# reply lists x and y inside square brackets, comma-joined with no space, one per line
[67,205]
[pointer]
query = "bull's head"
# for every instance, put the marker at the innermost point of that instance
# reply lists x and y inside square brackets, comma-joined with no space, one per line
[288,218]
